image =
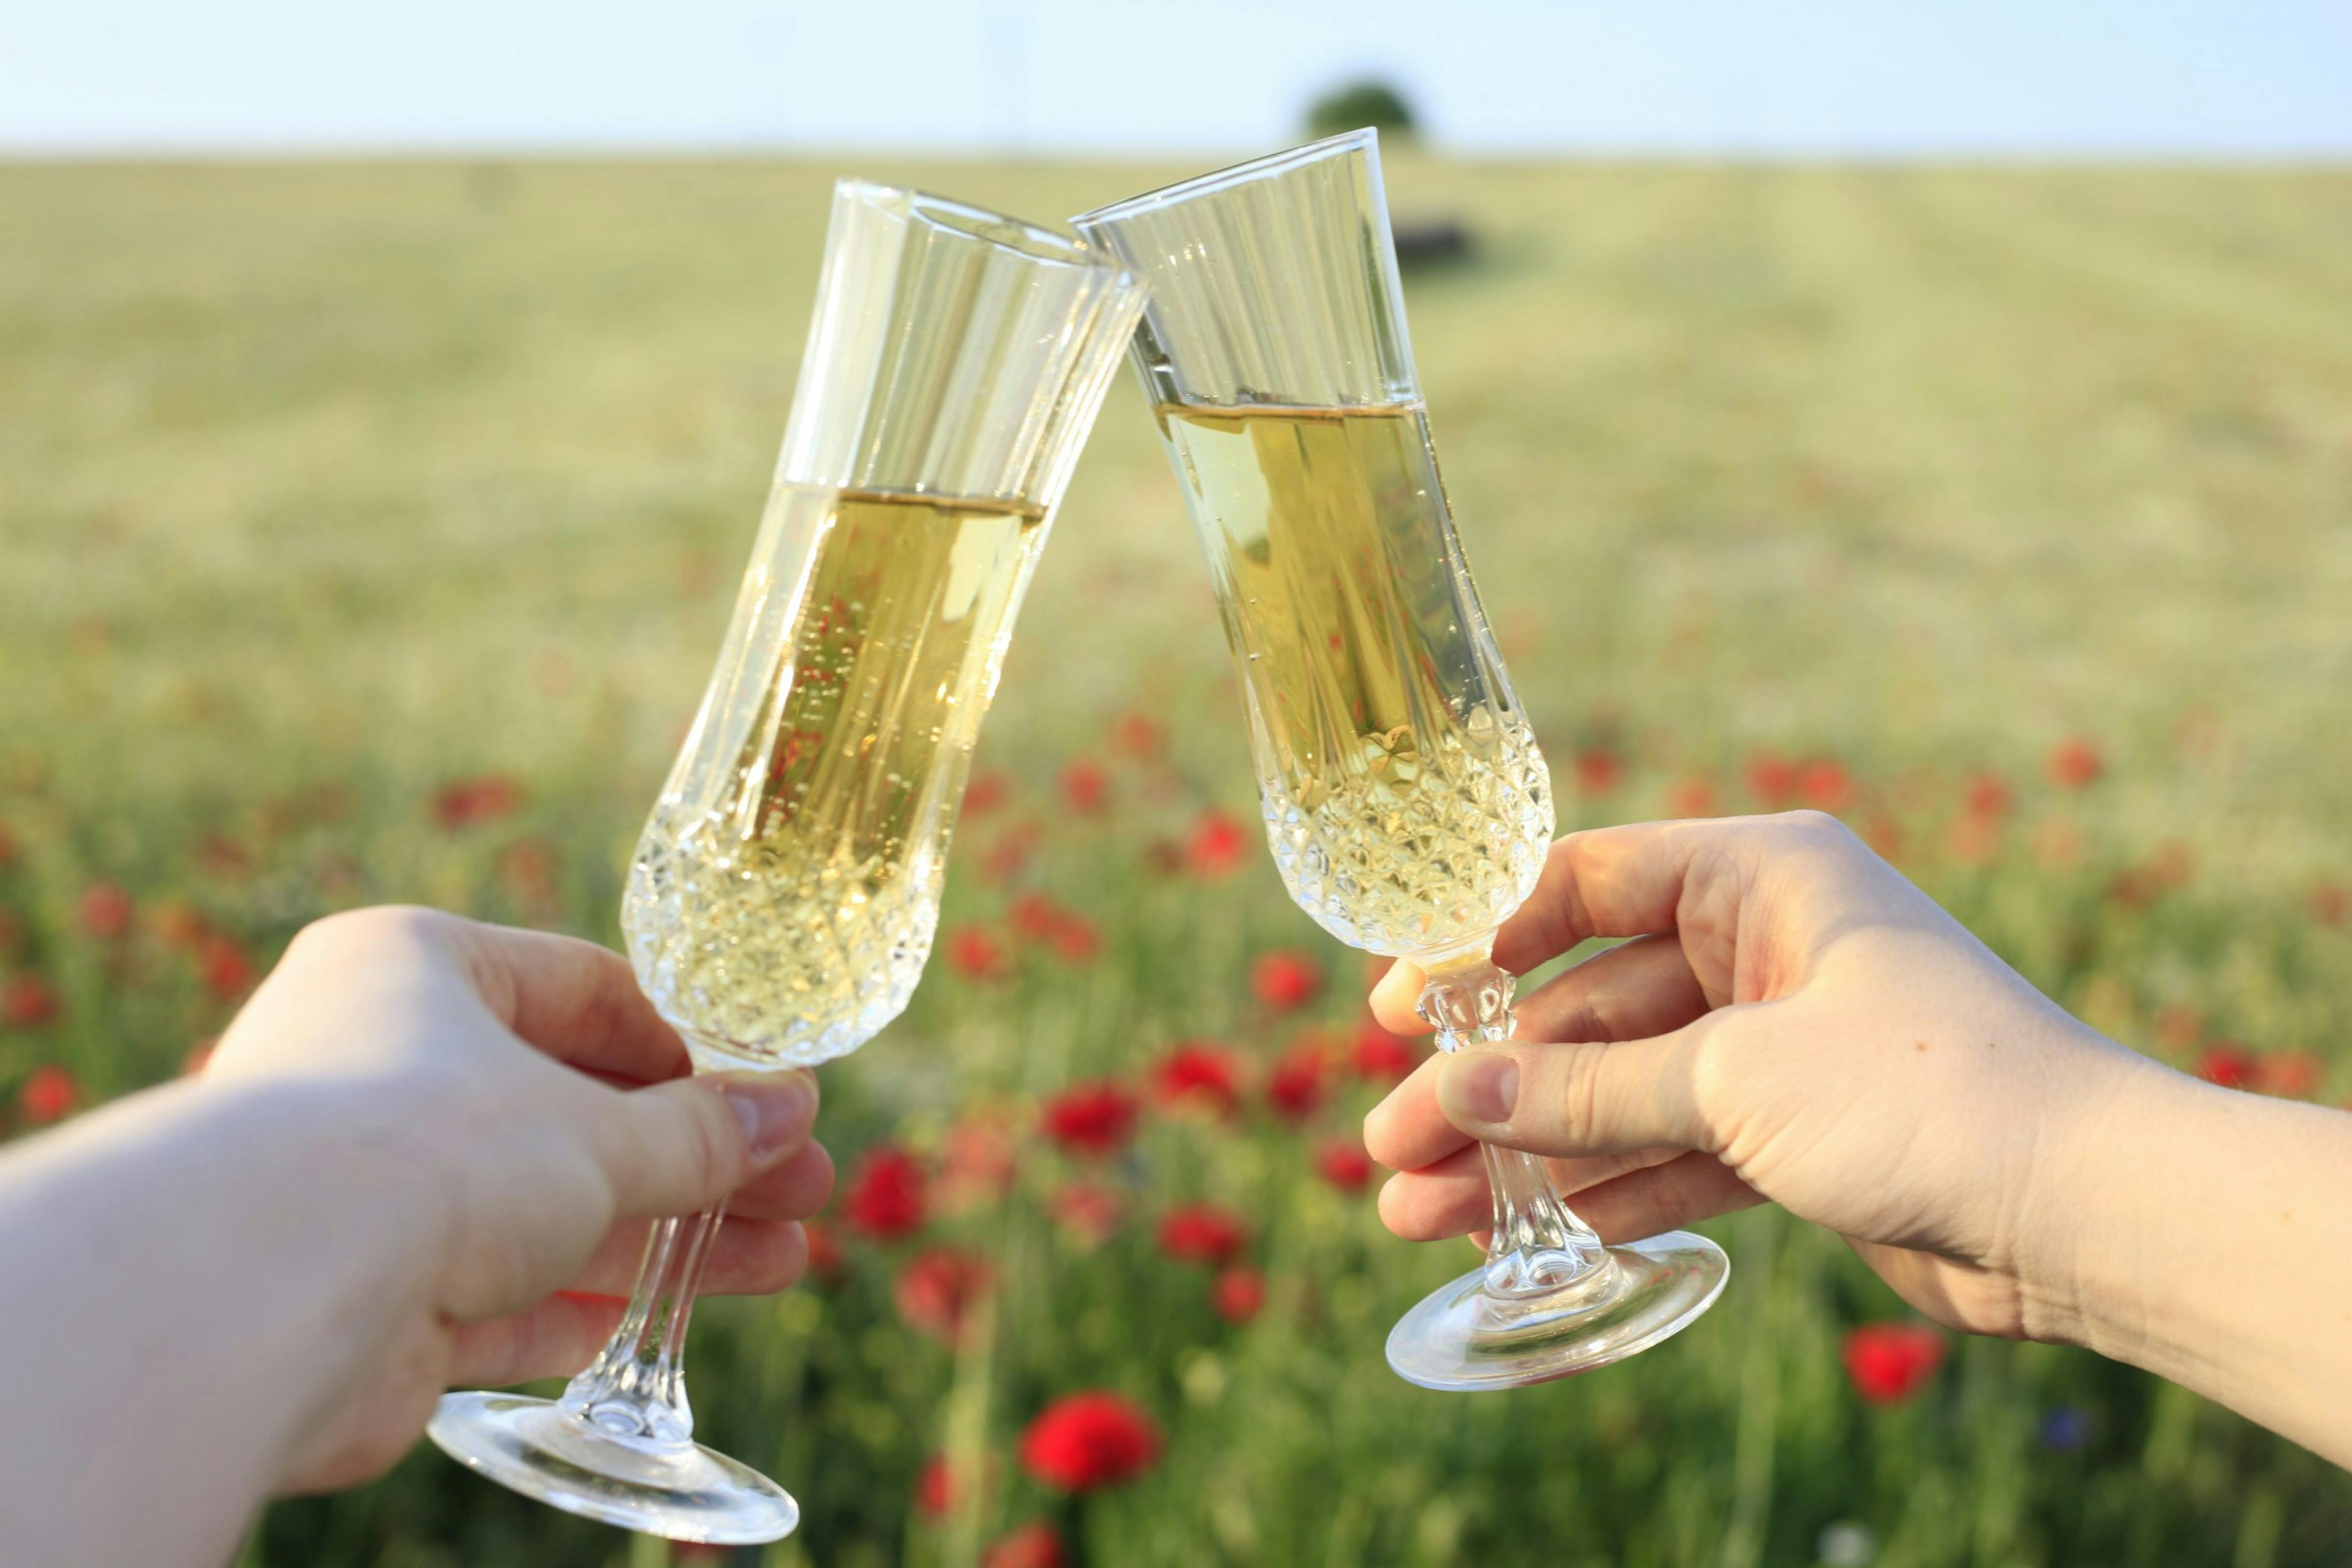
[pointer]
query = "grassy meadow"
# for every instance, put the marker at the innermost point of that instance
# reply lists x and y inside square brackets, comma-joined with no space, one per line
[367,531]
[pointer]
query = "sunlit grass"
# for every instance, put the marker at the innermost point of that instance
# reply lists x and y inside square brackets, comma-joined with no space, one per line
[323,488]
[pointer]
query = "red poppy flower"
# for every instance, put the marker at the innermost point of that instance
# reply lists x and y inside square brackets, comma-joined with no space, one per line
[1076,940]
[2330,903]
[1202,1233]
[1294,1087]
[1771,781]
[935,1487]
[1009,856]
[2291,1073]
[227,972]
[1238,1293]
[49,1094]
[1598,772]
[528,873]
[976,1161]
[2057,844]
[1091,1118]
[2073,763]
[1343,1162]
[1883,835]
[1082,1441]
[463,803]
[2137,886]
[937,1289]
[1691,797]
[1200,1074]
[2180,1027]
[825,1258]
[984,793]
[2230,1066]
[886,1193]
[1086,786]
[1033,1545]
[27,1002]
[1137,736]
[1988,796]
[1383,1057]
[104,911]
[1889,1363]
[1033,917]
[177,922]
[1037,918]
[1090,1213]
[1286,979]
[1973,840]
[975,953]
[1216,844]
[1825,785]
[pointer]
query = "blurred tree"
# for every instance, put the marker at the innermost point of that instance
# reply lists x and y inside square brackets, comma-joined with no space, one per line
[1358,104]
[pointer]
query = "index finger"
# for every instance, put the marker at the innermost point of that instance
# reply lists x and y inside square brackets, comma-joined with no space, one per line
[574,1000]
[1604,881]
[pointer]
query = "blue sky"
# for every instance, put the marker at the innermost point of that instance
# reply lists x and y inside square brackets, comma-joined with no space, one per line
[1109,78]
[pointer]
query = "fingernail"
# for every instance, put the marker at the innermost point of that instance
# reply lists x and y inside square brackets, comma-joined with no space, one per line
[1482,1085]
[774,1110]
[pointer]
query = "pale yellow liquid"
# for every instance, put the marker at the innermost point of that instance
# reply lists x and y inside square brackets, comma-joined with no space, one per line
[784,895]
[1405,800]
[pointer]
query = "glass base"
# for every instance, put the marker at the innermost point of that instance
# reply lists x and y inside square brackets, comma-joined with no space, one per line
[686,1491]
[1463,1338]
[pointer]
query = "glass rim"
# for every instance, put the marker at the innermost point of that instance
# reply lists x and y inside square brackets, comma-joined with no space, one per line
[1368,139]
[1033,242]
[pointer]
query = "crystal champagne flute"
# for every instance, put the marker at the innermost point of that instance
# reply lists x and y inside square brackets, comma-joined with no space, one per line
[1405,800]
[782,900]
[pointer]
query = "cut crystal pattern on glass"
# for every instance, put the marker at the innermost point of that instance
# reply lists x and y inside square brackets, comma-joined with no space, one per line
[1405,800]
[1471,824]
[782,901]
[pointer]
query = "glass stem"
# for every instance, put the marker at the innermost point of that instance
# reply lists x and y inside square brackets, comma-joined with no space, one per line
[1539,1244]
[635,1388]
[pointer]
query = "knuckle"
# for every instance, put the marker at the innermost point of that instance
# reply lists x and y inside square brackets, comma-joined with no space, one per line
[716,1144]
[389,926]
[1576,1099]
[1816,830]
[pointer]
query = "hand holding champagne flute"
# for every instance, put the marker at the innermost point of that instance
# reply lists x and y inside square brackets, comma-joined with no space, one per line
[1405,800]
[782,900]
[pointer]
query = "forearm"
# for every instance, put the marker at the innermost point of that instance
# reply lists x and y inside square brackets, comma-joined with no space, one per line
[188,1275]
[2217,1252]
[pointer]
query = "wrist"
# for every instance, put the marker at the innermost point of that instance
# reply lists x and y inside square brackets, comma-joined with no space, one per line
[2090,1224]
[334,1187]
[234,1247]
[319,1231]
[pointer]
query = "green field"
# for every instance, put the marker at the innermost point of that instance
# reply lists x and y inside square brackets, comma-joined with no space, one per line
[322,487]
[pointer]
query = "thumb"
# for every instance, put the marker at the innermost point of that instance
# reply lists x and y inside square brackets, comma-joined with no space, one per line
[679,1147]
[1571,1099]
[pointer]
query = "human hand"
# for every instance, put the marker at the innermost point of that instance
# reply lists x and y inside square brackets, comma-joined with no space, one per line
[1792,1021]
[475,1076]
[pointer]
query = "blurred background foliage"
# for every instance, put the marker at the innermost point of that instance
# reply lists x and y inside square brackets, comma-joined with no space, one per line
[368,529]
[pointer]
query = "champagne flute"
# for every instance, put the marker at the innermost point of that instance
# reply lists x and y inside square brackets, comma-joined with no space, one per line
[783,897]
[1405,800]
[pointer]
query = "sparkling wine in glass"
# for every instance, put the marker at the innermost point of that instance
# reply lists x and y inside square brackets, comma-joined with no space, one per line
[783,899]
[1406,803]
